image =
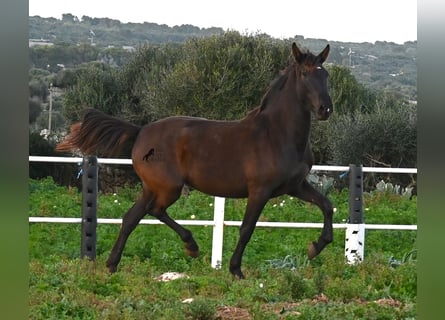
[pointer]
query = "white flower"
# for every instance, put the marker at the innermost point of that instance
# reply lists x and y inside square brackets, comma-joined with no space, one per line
[115,201]
[261,285]
[192,216]
[335,209]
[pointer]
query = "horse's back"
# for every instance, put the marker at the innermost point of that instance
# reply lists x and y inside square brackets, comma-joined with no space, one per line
[195,151]
[223,158]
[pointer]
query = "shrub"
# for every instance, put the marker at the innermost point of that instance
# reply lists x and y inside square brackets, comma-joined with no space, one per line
[201,309]
[386,136]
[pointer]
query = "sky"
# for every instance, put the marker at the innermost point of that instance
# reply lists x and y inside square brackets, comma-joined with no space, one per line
[333,20]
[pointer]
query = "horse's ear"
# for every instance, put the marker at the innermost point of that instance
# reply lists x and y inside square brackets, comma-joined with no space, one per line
[324,54]
[298,56]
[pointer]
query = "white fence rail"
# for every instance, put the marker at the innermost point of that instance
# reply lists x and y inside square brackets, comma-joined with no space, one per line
[129,162]
[218,221]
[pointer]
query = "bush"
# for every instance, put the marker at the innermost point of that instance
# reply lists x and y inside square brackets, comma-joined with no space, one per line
[201,309]
[386,136]
[220,77]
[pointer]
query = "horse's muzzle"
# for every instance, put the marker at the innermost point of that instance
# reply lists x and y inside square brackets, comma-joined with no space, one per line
[324,111]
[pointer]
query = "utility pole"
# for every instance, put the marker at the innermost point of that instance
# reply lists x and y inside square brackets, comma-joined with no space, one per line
[92,37]
[350,57]
[50,107]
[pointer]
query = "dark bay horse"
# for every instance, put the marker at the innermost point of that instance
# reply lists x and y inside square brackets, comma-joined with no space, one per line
[264,155]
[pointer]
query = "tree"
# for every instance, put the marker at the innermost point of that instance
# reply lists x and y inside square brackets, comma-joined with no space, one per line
[221,77]
[38,88]
[51,58]
[387,136]
[347,94]
[98,87]
[35,109]
[140,79]
[69,18]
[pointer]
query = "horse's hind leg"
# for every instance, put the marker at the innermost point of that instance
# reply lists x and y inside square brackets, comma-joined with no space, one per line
[308,193]
[129,223]
[163,201]
[153,204]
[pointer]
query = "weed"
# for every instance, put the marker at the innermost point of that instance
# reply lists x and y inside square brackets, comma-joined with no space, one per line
[289,262]
[201,309]
[297,286]
[319,281]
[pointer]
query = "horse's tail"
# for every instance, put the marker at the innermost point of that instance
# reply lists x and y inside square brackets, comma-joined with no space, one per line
[100,134]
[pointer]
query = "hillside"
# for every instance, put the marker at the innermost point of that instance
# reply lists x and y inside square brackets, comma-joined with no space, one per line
[380,65]
[105,32]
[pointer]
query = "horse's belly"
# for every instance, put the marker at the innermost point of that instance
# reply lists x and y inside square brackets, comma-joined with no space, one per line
[217,182]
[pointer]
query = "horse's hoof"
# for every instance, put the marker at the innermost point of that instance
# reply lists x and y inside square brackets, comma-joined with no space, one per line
[111,269]
[312,251]
[237,273]
[239,276]
[193,254]
[192,250]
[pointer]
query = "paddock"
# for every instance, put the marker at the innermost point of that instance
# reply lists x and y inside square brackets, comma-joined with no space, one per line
[355,229]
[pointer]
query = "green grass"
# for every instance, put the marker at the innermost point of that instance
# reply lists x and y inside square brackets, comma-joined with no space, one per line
[281,283]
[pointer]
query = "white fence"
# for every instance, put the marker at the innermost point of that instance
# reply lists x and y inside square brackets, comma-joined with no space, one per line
[218,221]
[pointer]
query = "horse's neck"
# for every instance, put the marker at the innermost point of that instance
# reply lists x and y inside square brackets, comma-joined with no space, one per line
[288,115]
[301,129]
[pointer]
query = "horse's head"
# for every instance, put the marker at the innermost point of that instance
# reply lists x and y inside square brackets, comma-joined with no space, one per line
[312,81]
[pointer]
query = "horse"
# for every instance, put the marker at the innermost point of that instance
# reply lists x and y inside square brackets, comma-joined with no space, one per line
[263,155]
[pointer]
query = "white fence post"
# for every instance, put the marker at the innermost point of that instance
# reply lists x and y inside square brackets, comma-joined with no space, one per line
[218,230]
[355,242]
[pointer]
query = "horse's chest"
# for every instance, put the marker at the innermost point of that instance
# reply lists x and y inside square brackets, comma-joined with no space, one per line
[300,171]
[297,165]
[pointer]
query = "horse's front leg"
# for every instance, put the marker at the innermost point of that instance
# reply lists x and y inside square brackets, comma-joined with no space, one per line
[308,193]
[255,205]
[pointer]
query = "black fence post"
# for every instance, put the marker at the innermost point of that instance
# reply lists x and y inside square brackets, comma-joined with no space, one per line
[355,230]
[89,207]
[355,194]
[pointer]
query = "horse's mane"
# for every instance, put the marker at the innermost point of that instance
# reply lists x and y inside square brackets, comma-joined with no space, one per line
[275,86]
[278,83]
